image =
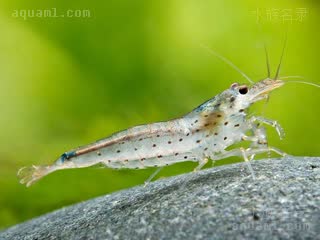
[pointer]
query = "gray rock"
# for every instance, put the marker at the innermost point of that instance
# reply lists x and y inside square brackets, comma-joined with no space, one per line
[218,203]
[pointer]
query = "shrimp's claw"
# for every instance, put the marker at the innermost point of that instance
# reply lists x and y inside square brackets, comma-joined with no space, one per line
[29,175]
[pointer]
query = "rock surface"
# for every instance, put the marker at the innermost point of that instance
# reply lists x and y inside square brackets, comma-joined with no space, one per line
[218,203]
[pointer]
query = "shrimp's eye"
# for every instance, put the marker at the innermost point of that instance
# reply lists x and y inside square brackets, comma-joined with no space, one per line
[243,90]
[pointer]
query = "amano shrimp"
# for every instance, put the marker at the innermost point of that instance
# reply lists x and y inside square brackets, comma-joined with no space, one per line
[202,134]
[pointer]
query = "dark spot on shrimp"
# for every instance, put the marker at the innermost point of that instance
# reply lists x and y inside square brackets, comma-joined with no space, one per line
[212,119]
[64,157]
[237,125]
[67,156]
[261,142]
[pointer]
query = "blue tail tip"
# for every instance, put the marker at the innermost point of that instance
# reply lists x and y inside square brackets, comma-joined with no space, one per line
[67,156]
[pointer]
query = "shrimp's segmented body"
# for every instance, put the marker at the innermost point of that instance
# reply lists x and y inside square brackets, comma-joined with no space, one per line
[138,147]
[202,134]
[190,138]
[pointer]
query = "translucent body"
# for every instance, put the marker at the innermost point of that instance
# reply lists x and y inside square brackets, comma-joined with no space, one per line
[160,144]
[203,133]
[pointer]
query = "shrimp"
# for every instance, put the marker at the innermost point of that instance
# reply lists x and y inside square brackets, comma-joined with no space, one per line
[202,134]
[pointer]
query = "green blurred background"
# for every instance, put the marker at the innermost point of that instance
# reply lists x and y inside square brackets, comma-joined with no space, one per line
[66,82]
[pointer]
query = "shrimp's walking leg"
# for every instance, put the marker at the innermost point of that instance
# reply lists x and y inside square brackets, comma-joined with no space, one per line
[259,139]
[241,152]
[202,162]
[152,176]
[245,157]
[260,143]
[272,123]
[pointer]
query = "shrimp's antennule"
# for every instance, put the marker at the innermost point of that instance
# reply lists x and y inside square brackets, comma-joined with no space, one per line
[29,175]
[282,53]
[267,60]
[227,61]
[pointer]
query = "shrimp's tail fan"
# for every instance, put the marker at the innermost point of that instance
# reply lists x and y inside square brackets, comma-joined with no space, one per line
[30,175]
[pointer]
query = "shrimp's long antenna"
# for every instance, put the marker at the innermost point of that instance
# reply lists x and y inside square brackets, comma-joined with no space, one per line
[308,83]
[267,60]
[279,66]
[298,77]
[297,81]
[227,61]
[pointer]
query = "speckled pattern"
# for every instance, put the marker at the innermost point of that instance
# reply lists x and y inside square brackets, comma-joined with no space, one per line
[218,203]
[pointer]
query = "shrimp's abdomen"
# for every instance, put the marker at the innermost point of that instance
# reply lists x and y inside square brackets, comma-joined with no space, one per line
[151,145]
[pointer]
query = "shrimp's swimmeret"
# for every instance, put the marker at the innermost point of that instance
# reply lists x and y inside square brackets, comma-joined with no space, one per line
[204,133]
